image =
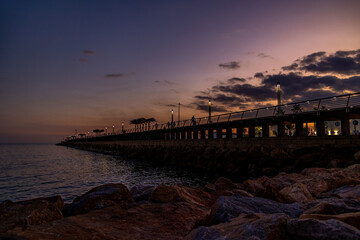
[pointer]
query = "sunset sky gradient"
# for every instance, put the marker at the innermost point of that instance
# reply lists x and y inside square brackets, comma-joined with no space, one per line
[67,65]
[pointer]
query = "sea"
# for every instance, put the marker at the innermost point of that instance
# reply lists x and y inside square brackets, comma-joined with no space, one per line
[41,170]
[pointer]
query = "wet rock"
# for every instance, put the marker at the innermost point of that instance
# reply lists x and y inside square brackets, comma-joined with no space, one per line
[297,193]
[30,212]
[228,207]
[142,192]
[246,226]
[100,197]
[313,229]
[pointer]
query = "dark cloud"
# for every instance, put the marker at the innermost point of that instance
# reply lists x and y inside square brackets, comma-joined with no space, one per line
[202,97]
[259,75]
[235,80]
[291,67]
[88,52]
[236,93]
[341,62]
[116,75]
[230,65]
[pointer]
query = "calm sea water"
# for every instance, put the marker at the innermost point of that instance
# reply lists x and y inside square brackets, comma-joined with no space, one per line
[30,171]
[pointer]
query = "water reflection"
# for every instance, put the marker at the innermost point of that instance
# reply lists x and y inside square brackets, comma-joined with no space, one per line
[29,171]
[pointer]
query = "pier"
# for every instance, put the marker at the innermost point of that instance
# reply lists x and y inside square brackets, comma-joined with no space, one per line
[287,137]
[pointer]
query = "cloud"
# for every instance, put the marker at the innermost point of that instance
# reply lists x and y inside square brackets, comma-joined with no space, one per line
[116,75]
[230,65]
[263,55]
[164,82]
[295,85]
[341,62]
[88,52]
[235,80]
[259,75]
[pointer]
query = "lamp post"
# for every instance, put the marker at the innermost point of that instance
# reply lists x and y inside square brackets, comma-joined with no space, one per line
[122,127]
[278,91]
[209,110]
[172,118]
[179,115]
[105,130]
[113,129]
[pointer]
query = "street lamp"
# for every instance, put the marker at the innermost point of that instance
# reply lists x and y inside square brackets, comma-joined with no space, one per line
[113,129]
[209,110]
[172,118]
[278,91]
[106,130]
[122,127]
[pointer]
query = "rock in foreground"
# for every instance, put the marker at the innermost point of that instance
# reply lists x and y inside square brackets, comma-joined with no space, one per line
[314,204]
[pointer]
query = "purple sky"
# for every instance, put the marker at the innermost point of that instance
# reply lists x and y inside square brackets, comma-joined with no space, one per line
[68,65]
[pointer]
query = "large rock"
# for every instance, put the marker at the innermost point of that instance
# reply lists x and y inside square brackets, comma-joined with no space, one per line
[142,192]
[254,186]
[164,194]
[332,206]
[30,212]
[100,197]
[224,184]
[352,218]
[228,207]
[344,192]
[312,229]
[297,193]
[147,221]
[246,226]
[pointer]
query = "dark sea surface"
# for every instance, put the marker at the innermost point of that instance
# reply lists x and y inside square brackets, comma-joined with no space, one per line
[41,170]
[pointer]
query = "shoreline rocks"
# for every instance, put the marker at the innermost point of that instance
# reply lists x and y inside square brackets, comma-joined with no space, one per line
[314,204]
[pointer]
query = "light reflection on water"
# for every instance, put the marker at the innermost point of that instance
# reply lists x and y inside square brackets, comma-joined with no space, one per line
[35,170]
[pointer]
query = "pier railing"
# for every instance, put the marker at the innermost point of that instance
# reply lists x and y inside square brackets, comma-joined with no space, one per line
[345,102]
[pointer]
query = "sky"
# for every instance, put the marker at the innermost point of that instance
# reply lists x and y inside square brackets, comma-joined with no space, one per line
[67,65]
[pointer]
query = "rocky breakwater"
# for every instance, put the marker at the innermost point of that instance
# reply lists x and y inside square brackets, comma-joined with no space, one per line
[314,204]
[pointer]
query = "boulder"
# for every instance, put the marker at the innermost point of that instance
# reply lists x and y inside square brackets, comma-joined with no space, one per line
[224,184]
[146,221]
[141,192]
[30,212]
[312,229]
[100,197]
[245,226]
[332,206]
[254,186]
[229,207]
[357,156]
[164,194]
[352,218]
[296,193]
[344,192]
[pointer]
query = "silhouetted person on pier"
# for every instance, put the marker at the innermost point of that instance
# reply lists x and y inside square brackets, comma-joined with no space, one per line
[168,124]
[193,120]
